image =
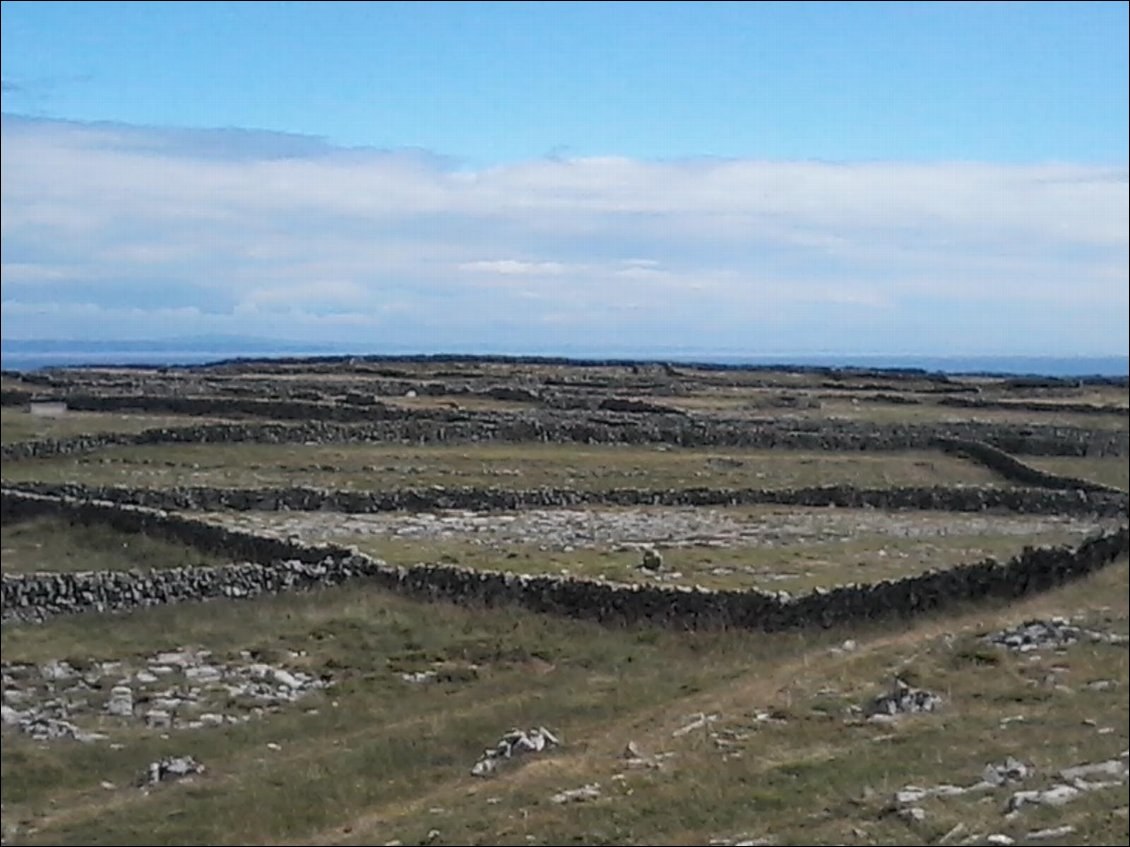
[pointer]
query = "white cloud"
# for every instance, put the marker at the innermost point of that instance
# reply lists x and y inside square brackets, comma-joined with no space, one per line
[302,231]
[514,267]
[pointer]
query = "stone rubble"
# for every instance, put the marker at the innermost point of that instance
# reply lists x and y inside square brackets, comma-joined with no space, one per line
[903,699]
[1073,785]
[641,528]
[515,743]
[1054,633]
[178,689]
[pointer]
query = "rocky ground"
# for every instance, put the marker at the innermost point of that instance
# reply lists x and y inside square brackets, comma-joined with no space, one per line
[633,528]
[184,688]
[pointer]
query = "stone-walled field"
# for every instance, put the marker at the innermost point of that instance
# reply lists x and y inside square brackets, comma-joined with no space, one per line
[675,541]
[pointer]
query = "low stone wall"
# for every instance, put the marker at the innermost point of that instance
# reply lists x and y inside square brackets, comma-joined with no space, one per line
[1011,468]
[212,499]
[38,596]
[1035,406]
[226,407]
[608,428]
[15,397]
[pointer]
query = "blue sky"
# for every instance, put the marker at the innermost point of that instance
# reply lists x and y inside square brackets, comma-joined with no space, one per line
[739,178]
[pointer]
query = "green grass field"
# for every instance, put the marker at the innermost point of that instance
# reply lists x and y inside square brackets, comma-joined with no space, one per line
[867,407]
[54,544]
[1109,470]
[20,425]
[584,467]
[375,759]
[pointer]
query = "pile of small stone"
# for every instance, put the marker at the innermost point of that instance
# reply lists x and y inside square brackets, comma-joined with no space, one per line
[517,742]
[175,689]
[1053,633]
[903,699]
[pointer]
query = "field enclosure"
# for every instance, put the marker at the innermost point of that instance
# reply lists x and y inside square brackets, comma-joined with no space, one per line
[705,584]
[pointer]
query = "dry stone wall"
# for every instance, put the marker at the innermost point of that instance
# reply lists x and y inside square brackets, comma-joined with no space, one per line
[220,407]
[1035,406]
[292,565]
[1011,468]
[211,499]
[606,428]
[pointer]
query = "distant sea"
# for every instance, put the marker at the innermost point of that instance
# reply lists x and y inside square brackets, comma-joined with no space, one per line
[35,355]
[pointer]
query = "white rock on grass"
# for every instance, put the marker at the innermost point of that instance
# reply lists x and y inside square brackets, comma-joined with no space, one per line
[1054,832]
[1111,767]
[698,722]
[1057,795]
[576,795]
